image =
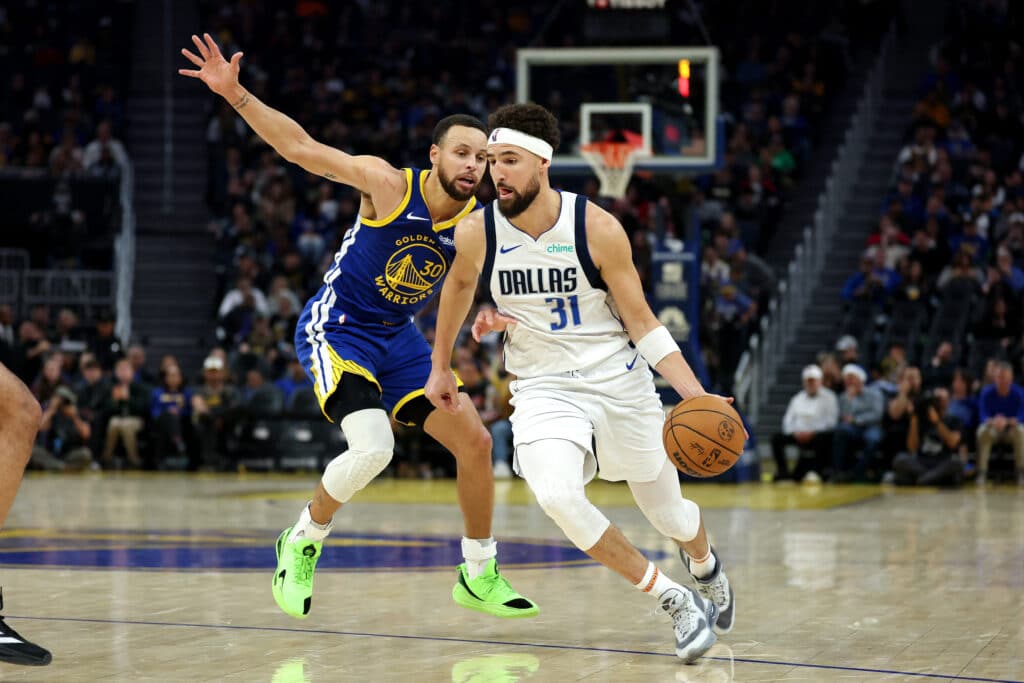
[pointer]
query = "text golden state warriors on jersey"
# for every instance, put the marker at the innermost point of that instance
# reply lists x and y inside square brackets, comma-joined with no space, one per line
[413,270]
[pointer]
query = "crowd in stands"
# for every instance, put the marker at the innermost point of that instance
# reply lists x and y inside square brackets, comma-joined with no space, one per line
[935,311]
[62,113]
[278,227]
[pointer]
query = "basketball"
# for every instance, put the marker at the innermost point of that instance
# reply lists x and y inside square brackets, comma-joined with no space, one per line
[703,436]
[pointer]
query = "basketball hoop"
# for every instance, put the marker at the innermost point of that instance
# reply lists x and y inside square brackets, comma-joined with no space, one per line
[613,164]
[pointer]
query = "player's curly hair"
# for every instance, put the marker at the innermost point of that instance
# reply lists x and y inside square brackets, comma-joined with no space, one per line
[528,118]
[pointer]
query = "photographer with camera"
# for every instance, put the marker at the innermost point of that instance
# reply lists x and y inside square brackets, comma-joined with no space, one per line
[933,442]
[63,435]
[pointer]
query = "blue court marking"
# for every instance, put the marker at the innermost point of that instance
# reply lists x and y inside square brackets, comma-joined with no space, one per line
[479,641]
[193,549]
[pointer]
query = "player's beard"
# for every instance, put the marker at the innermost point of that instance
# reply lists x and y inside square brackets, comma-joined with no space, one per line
[519,202]
[449,186]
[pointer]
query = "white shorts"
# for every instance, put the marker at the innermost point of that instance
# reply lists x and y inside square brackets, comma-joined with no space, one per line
[611,411]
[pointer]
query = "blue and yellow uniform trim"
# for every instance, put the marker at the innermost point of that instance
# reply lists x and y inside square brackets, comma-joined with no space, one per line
[360,322]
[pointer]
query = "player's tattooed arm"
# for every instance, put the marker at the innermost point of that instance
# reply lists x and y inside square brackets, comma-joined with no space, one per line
[369,174]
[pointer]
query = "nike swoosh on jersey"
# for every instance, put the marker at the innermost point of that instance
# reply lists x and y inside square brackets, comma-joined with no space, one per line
[413,217]
[504,250]
[630,364]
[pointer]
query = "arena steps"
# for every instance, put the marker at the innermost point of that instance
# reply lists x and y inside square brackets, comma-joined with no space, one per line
[175,288]
[823,315]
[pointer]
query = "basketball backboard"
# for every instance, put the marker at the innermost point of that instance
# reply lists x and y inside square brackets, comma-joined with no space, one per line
[663,98]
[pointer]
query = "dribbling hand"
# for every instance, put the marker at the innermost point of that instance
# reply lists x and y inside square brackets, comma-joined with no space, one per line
[490,320]
[219,74]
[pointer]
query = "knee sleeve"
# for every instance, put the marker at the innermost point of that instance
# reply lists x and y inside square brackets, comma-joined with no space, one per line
[664,506]
[554,471]
[371,444]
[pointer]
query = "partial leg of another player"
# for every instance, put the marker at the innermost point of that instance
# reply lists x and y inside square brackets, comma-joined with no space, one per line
[553,468]
[480,585]
[19,422]
[680,519]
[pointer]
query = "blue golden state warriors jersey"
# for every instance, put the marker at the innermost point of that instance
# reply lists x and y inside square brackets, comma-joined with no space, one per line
[387,269]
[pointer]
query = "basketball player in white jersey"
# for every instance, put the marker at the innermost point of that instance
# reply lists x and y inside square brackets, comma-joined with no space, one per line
[570,301]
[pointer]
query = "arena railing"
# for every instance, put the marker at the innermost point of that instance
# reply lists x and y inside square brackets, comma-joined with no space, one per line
[84,290]
[14,259]
[13,264]
[124,256]
[767,348]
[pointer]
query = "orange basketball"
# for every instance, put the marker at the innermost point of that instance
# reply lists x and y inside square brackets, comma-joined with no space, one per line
[703,436]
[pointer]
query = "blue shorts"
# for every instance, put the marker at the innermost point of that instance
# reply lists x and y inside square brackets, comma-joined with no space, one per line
[395,357]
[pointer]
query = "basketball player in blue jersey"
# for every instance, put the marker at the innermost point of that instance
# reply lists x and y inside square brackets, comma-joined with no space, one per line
[560,271]
[19,422]
[357,341]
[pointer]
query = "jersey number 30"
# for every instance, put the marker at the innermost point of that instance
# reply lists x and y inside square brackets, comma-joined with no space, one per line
[558,308]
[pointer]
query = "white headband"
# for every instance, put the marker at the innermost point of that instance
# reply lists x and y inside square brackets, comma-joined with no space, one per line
[511,136]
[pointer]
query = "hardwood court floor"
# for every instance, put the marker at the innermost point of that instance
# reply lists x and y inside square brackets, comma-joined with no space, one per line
[167,578]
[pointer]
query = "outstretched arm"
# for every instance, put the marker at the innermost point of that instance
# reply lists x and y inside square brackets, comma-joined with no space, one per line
[371,175]
[456,300]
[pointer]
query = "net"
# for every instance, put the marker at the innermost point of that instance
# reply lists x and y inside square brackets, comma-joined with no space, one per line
[613,164]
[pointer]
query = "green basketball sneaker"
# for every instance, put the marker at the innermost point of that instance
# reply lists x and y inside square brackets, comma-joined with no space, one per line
[293,578]
[491,593]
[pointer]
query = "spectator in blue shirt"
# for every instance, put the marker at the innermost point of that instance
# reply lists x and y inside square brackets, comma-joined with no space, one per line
[294,379]
[170,408]
[874,282]
[971,240]
[958,141]
[1008,272]
[912,208]
[1001,413]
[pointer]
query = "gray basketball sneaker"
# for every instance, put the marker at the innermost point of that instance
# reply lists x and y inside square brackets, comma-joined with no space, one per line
[692,617]
[716,588]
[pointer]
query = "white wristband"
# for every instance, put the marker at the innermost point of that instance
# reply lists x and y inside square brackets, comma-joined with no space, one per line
[656,344]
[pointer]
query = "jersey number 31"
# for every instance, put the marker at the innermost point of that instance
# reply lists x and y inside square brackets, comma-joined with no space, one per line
[558,308]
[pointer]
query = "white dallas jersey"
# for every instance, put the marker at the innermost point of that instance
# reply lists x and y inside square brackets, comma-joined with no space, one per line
[566,317]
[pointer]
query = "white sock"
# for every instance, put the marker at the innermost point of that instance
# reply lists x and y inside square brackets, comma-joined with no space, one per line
[476,552]
[307,528]
[703,567]
[654,582]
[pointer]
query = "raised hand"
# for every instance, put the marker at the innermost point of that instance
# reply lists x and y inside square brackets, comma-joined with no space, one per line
[219,74]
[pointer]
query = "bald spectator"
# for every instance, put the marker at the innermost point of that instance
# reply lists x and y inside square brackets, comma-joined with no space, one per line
[808,423]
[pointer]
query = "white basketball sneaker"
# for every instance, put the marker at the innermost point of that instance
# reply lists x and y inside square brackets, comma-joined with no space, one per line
[716,588]
[692,618]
